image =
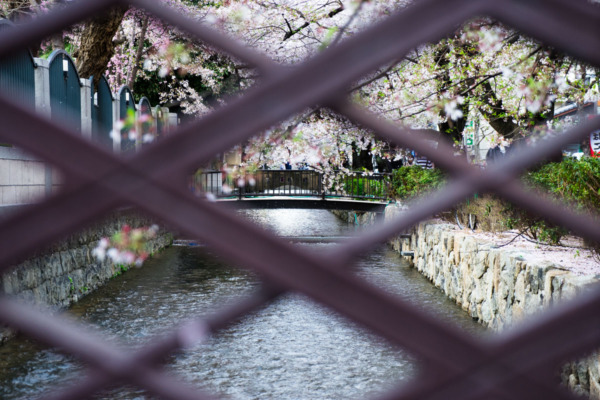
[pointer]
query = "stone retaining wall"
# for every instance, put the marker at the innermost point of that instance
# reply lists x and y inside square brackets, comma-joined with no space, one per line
[498,287]
[357,218]
[68,271]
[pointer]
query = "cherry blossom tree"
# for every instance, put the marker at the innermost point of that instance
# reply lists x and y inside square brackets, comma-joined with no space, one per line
[484,76]
[484,72]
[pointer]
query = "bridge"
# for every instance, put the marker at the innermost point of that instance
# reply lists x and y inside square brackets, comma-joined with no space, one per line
[298,189]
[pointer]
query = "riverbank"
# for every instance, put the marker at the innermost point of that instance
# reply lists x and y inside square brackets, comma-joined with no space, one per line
[500,283]
[63,274]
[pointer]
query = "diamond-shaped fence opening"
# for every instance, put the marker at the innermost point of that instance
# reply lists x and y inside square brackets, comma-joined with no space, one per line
[515,365]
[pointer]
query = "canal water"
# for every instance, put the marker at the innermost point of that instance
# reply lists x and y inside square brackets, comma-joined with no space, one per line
[292,349]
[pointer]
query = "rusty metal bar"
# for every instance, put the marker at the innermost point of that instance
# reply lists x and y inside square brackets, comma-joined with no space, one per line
[570,26]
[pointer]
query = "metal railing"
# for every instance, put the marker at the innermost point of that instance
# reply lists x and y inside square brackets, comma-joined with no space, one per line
[295,183]
[519,364]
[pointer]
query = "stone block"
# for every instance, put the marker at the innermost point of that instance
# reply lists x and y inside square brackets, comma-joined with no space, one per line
[31,275]
[8,283]
[520,288]
[40,295]
[574,285]
[478,292]
[594,376]
[506,286]
[533,303]
[27,296]
[53,265]
[478,270]
[487,314]
[43,265]
[68,261]
[549,285]
[534,279]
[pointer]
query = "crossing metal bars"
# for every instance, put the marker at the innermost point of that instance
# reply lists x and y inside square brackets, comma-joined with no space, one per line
[517,365]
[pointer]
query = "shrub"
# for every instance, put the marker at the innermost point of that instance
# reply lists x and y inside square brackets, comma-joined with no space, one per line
[577,182]
[414,181]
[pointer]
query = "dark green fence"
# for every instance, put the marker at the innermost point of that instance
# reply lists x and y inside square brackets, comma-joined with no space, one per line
[65,90]
[17,74]
[160,121]
[18,82]
[102,112]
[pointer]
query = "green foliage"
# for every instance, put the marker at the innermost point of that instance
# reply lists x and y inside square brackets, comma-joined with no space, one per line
[119,269]
[577,182]
[413,181]
[546,232]
[365,187]
[574,181]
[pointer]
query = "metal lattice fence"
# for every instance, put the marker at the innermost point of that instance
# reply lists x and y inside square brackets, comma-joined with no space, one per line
[519,364]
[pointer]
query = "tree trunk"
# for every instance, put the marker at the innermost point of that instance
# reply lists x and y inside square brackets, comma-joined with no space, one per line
[497,118]
[139,53]
[97,47]
[453,129]
[15,10]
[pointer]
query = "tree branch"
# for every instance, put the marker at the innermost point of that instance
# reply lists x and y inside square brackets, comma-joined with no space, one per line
[139,52]
[292,31]
[503,125]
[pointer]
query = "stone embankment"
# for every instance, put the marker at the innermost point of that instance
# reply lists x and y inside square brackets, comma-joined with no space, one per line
[497,286]
[68,271]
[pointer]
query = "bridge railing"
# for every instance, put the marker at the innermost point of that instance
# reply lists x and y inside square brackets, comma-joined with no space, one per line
[283,183]
[295,183]
[360,185]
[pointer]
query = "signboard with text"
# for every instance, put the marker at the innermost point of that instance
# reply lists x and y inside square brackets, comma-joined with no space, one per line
[595,144]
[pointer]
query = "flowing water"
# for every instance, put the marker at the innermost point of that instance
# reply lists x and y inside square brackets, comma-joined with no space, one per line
[292,349]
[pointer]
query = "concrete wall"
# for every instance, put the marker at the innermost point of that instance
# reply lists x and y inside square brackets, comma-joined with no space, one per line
[66,272]
[23,179]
